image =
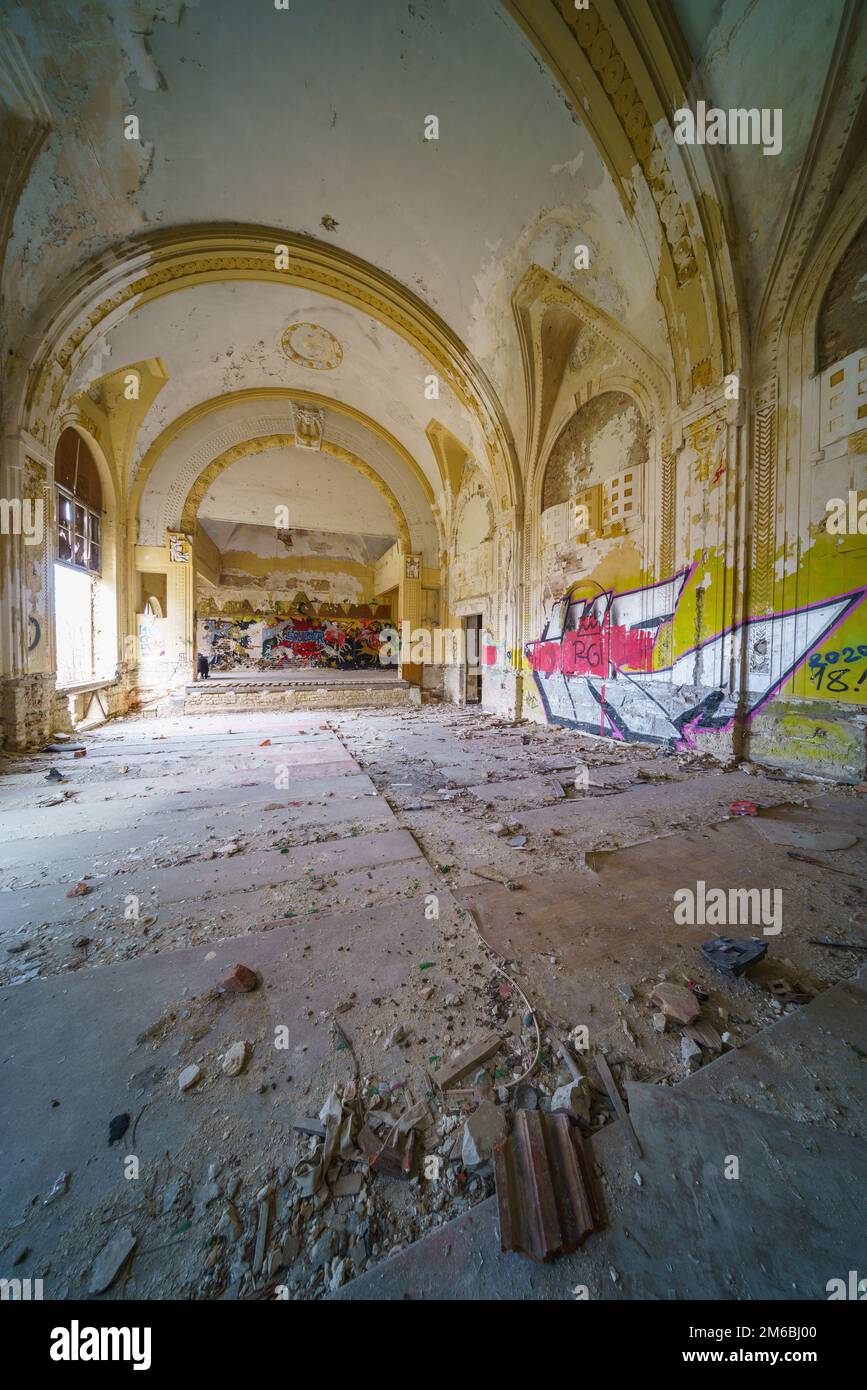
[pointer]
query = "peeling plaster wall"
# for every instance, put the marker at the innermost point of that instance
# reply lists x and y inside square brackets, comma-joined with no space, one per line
[260,572]
[719,612]
[294,475]
[629,651]
[220,338]
[484,203]
[774,54]
[842,327]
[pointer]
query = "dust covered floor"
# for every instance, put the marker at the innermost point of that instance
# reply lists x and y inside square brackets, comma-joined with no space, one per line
[379,871]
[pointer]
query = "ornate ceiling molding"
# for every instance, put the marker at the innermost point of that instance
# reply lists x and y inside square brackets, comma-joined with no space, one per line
[819,191]
[152,265]
[645,377]
[217,405]
[615,62]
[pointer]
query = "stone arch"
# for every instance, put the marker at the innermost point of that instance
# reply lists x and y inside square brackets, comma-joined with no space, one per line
[626,92]
[219,405]
[631,368]
[259,445]
[149,266]
[834,339]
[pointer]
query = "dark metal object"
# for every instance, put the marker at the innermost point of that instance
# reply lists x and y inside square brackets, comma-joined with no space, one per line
[733,955]
[543,1190]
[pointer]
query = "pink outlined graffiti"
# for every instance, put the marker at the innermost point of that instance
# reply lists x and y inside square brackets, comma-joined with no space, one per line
[594,665]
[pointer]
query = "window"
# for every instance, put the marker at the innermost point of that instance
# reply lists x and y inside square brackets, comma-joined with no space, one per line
[79,504]
[78,534]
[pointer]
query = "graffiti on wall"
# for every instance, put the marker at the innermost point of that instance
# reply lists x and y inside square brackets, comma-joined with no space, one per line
[596,667]
[299,642]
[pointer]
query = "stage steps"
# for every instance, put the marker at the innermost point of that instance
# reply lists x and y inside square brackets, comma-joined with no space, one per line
[340,690]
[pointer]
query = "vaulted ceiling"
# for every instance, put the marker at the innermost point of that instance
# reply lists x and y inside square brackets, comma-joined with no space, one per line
[311,121]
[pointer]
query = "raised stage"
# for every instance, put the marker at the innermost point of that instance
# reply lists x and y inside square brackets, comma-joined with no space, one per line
[236,691]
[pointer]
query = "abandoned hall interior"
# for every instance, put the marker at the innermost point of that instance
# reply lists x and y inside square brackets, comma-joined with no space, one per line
[433,650]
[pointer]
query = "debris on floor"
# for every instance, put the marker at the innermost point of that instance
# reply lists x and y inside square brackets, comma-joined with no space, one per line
[544,1195]
[359,1013]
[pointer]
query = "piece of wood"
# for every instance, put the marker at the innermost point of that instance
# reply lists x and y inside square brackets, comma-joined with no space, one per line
[617,1101]
[577,1073]
[261,1235]
[307,1125]
[474,1056]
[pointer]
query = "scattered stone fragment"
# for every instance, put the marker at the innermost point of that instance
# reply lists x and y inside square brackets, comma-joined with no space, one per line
[207,1194]
[78,890]
[486,1127]
[349,1185]
[704,1034]
[111,1260]
[322,1250]
[289,1252]
[676,1002]
[235,1059]
[240,979]
[172,1193]
[575,1098]
[689,1049]
[190,1076]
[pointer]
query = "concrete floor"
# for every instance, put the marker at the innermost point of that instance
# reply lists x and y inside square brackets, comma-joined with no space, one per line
[676,1226]
[310,847]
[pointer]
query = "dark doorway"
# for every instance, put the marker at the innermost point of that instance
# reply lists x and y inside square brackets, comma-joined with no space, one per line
[472,658]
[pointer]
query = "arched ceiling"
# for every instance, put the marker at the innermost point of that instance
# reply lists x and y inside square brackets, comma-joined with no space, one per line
[242,422]
[729,43]
[219,338]
[312,120]
[317,490]
[554,132]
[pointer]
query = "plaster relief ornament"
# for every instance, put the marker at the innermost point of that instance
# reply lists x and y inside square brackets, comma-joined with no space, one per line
[180,547]
[312,346]
[309,427]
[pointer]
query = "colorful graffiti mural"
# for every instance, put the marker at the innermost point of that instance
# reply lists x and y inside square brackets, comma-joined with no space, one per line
[300,642]
[595,665]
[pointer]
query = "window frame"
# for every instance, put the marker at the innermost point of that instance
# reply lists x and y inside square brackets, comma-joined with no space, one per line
[90,534]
